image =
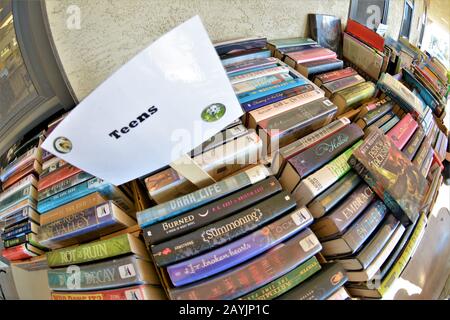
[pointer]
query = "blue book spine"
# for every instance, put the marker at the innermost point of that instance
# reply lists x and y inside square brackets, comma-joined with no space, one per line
[17,232]
[257,94]
[68,195]
[256,55]
[424,93]
[258,103]
[326,67]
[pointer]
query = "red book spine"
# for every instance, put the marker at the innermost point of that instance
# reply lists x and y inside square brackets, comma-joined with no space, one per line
[403,131]
[17,253]
[366,35]
[336,75]
[133,293]
[56,176]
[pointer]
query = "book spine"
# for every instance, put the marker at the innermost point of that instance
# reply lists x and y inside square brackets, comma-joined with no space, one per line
[222,231]
[285,283]
[411,148]
[53,167]
[320,286]
[121,272]
[20,230]
[316,183]
[426,165]
[249,64]
[239,251]
[266,91]
[278,96]
[400,264]
[64,184]
[16,216]
[23,183]
[57,176]
[212,212]
[313,158]
[197,198]
[29,156]
[257,55]
[130,293]
[345,213]
[364,227]
[17,253]
[68,195]
[255,273]
[344,83]
[90,251]
[336,75]
[259,83]
[403,131]
[25,192]
[15,241]
[331,197]
[324,67]
[34,168]
[389,125]
[365,34]
[79,224]
[258,74]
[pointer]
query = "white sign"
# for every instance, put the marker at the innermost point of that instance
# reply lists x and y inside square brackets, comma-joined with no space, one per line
[164,102]
[382,29]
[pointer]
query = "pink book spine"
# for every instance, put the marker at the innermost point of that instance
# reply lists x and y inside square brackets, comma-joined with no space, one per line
[312,55]
[402,131]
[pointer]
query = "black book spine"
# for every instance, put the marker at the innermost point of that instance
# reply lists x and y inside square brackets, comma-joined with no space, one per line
[223,231]
[322,285]
[211,212]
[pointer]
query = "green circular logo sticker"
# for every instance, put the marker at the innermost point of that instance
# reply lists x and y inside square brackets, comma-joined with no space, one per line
[62,145]
[213,112]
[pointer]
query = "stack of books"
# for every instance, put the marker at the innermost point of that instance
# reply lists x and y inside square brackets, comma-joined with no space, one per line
[363,49]
[116,267]
[241,238]
[20,169]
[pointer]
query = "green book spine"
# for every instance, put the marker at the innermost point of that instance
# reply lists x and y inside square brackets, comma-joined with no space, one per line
[285,283]
[92,251]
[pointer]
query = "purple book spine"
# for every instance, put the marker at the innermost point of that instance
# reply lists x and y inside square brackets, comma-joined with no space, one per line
[239,251]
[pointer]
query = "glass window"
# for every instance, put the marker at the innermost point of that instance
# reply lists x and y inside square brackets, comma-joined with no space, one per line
[369,12]
[16,87]
[407,18]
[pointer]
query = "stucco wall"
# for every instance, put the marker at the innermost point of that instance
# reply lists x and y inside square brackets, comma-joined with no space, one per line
[113,31]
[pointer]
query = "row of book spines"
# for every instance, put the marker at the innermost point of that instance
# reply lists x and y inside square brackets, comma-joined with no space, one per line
[28,157]
[142,292]
[26,192]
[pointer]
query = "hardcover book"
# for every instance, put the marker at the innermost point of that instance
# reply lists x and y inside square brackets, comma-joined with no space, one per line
[358,233]
[366,255]
[237,45]
[239,251]
[391,176]
[320,286]
[333,87]
[308,161]
[275,97]
[250,64]
[121,272]
[380,122]
[285,153]
[97,250]
[326,30]
[255,273]
[281,52]
[251,75]
[84,226]
[34,168]
[390,124]
[333,195]
[374,115]
[197,198]
[21,252]
[26,192]
[294,58]
[142,292]
[258,83]
[244,56]
[311,68]
[22,183]
[211,212]
[56,176]
[352,96]
[402,131]
[289,42]
[222,231]
[64,184]
[285,283]
[362,56]
[334,75]
[340,218]
[291,125]
[366,35]
[319,181]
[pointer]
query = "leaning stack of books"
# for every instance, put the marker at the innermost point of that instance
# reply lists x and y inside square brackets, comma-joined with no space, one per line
[363,49]
[241,238]
[19,221]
